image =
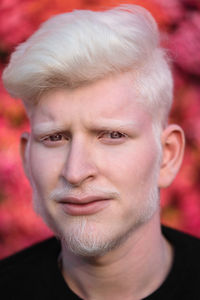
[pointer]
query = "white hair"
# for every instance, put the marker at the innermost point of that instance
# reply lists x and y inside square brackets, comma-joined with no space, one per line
[78,48]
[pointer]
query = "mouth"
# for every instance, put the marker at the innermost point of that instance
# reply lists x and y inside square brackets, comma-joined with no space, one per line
[83,206]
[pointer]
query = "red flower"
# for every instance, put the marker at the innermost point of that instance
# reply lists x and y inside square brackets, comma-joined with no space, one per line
[185,44]
[15,25]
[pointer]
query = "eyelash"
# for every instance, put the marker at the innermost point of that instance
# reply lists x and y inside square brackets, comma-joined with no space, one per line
[55,135]
[48,139]
[114,131]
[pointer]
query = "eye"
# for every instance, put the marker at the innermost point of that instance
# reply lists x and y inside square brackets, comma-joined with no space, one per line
[113,136]
[54,139]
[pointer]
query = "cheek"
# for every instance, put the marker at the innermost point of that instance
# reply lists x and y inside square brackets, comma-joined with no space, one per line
[132,164]
[45,166]
[133,173]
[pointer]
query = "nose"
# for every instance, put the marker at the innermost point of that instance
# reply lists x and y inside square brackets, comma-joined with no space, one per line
[80,164]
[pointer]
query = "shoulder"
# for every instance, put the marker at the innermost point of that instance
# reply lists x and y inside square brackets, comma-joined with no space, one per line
[180,239]
[30,255]
[28,266]
[182,281]
[185,272]
[26,274]
[186,247]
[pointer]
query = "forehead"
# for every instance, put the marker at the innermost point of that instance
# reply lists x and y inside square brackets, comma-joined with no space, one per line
[114,97]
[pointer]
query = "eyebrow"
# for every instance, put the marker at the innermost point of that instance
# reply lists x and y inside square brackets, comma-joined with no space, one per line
[103,124]
[113,124]
[42,128]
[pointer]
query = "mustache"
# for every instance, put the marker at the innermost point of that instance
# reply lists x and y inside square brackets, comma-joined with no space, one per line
[61,193]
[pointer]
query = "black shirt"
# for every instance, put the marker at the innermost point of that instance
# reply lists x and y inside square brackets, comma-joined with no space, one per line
[33,273]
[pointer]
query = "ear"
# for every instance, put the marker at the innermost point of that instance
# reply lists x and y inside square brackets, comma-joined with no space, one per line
[24,144]
[173,144]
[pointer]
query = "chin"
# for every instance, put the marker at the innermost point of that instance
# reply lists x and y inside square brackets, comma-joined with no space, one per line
[84,237]
[87,238]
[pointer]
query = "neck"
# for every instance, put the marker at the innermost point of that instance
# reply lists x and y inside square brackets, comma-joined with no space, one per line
[132,271]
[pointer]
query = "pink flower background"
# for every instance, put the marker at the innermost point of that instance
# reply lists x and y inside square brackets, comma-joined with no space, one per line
[179,21]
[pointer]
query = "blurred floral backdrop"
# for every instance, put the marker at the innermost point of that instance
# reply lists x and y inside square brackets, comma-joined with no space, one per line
[179,21]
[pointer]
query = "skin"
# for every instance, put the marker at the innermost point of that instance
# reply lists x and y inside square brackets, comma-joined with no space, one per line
[98,140]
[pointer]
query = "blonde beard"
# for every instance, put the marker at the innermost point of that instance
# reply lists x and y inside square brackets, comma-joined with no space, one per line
[83,239]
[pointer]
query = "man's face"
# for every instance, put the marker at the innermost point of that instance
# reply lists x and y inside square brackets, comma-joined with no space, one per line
[93,163]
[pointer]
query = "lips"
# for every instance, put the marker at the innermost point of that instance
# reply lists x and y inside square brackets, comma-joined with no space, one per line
[83,206]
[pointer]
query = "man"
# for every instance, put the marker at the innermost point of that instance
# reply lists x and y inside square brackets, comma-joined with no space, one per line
[98,89]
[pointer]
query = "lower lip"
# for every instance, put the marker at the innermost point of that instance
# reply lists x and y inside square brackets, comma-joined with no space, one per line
[93,207]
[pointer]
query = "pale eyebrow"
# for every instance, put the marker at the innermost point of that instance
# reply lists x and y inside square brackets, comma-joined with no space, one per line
[113,125]
[44,128]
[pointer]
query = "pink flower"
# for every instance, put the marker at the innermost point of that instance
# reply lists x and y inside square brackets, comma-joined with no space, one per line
[185,44]
[172,10]
[15,25]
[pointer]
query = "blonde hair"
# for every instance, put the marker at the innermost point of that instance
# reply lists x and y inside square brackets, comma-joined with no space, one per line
[77,48]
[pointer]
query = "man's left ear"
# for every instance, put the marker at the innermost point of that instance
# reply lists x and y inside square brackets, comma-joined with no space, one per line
[173,144]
